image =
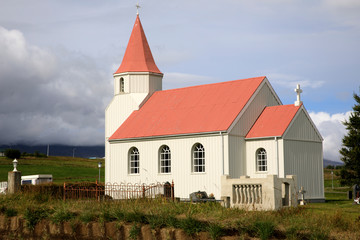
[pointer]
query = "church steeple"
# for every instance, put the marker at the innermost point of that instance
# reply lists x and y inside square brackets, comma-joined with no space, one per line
[138,57]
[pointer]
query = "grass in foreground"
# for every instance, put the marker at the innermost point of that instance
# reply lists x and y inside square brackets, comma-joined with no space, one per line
[329,220]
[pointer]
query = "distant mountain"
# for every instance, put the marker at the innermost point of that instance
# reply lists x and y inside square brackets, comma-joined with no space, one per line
[61,150]
[333,163]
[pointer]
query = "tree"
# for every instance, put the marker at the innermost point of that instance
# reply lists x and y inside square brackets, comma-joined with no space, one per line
[12,153]
[350,151]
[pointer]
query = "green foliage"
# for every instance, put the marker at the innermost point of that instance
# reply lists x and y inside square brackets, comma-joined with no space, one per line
[191,225]
[33,215]
[106,215]
[264,229]
[156,221]
[62,214]
[11,212]
[87,216]
[8,211]
[12,153]
[135,216]
[350,151]
[330,167]
[215,231]
[135,231]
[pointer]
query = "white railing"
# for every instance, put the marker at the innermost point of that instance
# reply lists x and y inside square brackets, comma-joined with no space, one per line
[247,194]
[270,193]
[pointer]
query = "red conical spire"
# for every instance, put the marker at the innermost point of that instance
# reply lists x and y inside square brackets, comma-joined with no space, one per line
[138,57]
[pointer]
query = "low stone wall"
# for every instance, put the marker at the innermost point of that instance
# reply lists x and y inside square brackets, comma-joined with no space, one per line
[15,228]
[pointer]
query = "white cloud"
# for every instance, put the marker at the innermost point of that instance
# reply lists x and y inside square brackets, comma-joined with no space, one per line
[290,81]
[332,130]
[49,97]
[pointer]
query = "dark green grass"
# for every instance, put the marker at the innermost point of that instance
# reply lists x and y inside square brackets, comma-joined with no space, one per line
[63,169]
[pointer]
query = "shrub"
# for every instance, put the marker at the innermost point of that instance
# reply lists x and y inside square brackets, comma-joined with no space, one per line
[106,216]
[12,153]
[191,225]
[62,215]
[87,216]
[156,221]
[135,216]
[264,229]
[34,215]
[10,212]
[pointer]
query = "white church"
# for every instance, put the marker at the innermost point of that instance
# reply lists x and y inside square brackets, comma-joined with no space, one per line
[195,135]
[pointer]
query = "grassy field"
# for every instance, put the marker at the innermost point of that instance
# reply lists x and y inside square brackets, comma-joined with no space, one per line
[337,218]
[63,169]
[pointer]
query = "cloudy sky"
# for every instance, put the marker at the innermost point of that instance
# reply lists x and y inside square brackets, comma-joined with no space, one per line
[57,58]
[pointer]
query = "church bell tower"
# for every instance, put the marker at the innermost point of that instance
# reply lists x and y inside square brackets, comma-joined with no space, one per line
[138,72]
[135,81]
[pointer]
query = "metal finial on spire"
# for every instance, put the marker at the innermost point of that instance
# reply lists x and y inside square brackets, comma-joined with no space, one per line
[137,8]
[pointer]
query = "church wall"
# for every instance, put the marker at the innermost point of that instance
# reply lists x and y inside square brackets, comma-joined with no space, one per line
[264,97]
[120,108]
[237,164]
[139,83]
[305,159]
[155,83]
[185,181]
[302,129]
[273,157]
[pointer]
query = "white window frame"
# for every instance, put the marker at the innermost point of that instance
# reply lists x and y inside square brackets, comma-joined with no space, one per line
[134,161]
[261,160]
[165,159]
[198,158]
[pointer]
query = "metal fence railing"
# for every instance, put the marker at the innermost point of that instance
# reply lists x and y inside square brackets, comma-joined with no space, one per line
[118,191]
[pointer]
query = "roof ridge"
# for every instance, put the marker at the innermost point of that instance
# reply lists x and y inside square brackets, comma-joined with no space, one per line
[209,84]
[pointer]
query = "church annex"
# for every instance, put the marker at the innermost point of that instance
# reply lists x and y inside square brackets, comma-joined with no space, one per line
[195,135]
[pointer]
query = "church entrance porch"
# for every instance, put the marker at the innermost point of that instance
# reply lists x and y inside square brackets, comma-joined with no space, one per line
[270,193]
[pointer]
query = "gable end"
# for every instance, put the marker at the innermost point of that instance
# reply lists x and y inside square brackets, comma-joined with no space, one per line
[302,128]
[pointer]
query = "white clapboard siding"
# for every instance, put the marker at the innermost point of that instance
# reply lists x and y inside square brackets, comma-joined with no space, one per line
[303,155]
[119,109]
[237,163]
[304,159]
[302,128]
[270,145]
[265,97]
[185,181]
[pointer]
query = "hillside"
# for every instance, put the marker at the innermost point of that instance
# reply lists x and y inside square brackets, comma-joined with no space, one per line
[63,169]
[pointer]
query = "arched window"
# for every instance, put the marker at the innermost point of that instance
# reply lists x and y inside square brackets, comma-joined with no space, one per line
[121,85]
[165,160]
[261,160]
[134,161]
[198,158]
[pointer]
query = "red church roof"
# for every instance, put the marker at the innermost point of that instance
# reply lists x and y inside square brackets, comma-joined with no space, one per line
[273,121]
[138,57]
[204,108]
